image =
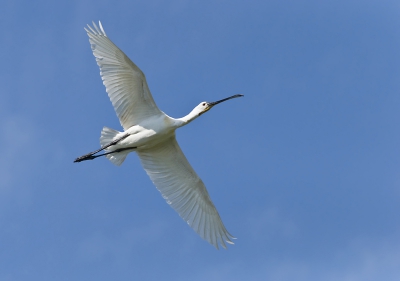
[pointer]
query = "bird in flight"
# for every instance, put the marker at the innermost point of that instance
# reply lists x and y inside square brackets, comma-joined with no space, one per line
[151,134]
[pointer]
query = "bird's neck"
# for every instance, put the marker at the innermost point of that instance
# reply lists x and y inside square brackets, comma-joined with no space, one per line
[187,119]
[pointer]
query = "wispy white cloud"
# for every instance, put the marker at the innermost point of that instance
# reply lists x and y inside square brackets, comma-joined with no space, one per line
[118,248]
[368,259]
[270,223]
[360,260]
[17,140]
[25,148]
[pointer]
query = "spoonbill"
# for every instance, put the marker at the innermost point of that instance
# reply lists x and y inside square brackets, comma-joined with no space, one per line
[151,134]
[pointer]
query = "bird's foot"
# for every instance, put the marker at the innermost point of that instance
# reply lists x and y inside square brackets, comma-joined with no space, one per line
[84,158]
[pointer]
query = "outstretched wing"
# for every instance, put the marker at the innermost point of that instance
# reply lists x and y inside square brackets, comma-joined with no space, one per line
[125,83]
[179,184]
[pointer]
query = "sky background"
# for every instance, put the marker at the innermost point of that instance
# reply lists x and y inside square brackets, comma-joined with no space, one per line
[304,170]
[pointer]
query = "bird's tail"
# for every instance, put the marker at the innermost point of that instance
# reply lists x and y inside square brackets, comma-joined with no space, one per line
[107,136]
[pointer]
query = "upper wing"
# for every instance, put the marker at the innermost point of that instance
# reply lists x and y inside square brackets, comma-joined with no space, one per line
[179,184]
[125,83]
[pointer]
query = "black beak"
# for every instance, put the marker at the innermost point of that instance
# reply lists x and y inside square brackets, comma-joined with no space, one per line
[217,102]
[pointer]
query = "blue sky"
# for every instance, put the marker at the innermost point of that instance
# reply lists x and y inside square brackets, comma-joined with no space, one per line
[304,170]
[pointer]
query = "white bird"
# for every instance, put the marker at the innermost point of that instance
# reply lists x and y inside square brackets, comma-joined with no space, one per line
[151,134]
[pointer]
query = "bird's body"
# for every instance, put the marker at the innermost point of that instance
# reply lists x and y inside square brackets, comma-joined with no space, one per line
[151,131]
[148,133]
[151,134]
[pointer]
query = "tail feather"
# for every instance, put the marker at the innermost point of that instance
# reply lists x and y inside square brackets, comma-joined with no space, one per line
[107,136]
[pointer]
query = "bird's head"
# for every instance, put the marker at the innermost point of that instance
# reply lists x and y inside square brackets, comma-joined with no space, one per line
[206,106]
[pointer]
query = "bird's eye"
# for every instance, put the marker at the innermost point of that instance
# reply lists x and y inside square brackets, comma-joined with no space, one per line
[204,104]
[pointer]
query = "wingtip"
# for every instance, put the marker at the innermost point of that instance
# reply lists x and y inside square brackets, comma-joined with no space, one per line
[95,30]
[91,30]
[102,29]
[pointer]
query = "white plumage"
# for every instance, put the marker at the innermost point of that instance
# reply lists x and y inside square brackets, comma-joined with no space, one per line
[151,134]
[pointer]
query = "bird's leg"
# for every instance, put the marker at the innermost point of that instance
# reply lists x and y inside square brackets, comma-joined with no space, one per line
[90,156]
